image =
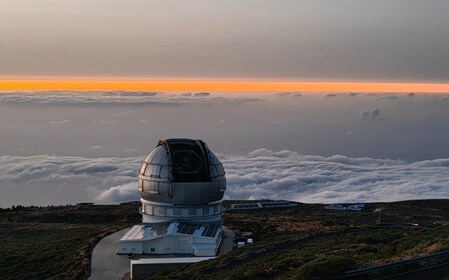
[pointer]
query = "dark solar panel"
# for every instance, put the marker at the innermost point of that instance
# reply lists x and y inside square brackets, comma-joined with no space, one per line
[192,229]
[180,225]
[204,231]
[159,229]
[215,231]
[187,228]
[210,231]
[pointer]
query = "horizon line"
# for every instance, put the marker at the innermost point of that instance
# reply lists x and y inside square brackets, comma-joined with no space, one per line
[220,85]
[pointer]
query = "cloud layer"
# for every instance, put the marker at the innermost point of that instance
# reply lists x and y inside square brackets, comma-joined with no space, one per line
[262,173]
[116,97]
[289,175]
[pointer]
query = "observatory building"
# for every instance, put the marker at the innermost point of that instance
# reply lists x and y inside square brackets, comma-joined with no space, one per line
[181,185]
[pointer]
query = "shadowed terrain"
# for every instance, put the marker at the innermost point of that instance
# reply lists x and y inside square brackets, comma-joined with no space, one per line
[297,243]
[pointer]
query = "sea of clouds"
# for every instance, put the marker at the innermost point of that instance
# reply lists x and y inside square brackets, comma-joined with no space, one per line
[143,98]
[44,179]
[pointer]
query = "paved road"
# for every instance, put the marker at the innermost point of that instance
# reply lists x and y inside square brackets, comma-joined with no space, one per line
[105,263]
[228,241]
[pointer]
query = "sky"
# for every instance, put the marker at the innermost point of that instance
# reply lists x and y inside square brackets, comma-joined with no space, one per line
[323,40]
[316,101]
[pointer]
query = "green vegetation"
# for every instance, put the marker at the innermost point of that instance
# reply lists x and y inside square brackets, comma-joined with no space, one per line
[310,242]
[56,242]
[298,243]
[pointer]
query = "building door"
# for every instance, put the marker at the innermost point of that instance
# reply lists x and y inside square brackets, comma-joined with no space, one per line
[183,246]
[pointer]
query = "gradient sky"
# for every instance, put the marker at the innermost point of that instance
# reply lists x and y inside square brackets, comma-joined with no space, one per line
[87,87]
[401,40]
[119,124]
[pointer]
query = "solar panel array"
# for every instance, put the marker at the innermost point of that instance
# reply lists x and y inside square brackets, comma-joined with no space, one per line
[190,228]
[160,229]
[187,228]
[210,231]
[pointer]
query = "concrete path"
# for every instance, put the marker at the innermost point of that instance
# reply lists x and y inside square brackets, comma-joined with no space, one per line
[105,263]
[228,241]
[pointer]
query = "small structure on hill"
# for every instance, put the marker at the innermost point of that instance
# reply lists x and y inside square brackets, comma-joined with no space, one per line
[346,207]
[261,204]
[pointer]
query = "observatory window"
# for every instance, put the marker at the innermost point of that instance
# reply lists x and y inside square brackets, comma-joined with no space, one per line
[206,210]
[216,209]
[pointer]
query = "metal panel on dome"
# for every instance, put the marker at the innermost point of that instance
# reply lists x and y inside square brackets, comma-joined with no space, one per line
[157,156]
[191,193]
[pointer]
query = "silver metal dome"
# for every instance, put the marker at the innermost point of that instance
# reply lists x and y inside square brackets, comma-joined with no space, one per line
[181,178]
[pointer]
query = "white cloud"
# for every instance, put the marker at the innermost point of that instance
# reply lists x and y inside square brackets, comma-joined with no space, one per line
[104,121]
[260,174]
[118,194]
[59,122]
[96,147]
[289,175]
[122,113]
[46,179]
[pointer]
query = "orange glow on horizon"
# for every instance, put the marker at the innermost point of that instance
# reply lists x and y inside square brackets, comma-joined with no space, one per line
[224,86]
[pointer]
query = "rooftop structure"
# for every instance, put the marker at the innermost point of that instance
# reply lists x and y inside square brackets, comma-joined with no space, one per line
[346,207]
[261,204]
[181,184]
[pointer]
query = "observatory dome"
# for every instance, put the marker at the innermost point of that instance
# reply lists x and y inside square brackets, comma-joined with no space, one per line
[181,179]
